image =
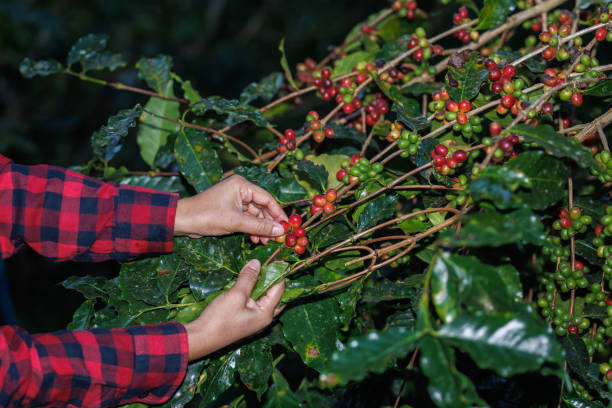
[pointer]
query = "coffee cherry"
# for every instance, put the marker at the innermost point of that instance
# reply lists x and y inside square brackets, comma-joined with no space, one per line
[295,220]
[329,132]
[601,33]
[441,150]
[495,74]
[508,101]
[572,329]
[331,195]
[495,128]
[318,136]
[328,208]
[340,174]
[549,53]
[280,239]
[460,156]
[576,99]
[465,105]
[299,249]
[289,134]
[286,226]
[314,209]
[452,106]
[565,222]
[509,71]
[302,241]
[291,240]
[319,201]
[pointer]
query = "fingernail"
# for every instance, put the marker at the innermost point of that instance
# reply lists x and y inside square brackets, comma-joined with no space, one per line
[253,264]
[278,229]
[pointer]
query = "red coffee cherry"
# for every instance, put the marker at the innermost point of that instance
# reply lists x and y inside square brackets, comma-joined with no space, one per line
[331,195]
[319,201]
[291,240]
[286,226]
[509,71]
[295,220]
[299,232]
[441,150]
[572,329]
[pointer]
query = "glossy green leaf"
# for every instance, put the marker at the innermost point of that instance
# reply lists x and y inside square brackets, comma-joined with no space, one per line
[236,112]
[90,52]
[270,275]
[512,280]
[197,159]
[279,395]
[314,174]
[374,352]
[392,49]
[494,12]
[254,365]
[108,140]
[331,162]
[507,343]
[219,377]
[187,390]
[157,73]
[534,65]
[373,212]
[30,68]
[154,131]
[211,253]
[384,290]
[191,94]
[285,65]
[448,388]
[465,76]
[205,283]
[346,64]
[576,353]
[260,176]
[461,284]
[577,402]
[328,234]
[601,88]
[495,229]
[312,329]
[349,135]
[497,184]
[265,89]
[91,287]
[558,145]
[347,304]
[172,184]
[82,316]
[414,122]
[291,190]
[153,280]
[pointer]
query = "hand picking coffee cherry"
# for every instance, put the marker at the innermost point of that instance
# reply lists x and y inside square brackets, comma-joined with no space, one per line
[297,238]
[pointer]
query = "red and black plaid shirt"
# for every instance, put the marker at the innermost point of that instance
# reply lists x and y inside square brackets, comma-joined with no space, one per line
[65,215]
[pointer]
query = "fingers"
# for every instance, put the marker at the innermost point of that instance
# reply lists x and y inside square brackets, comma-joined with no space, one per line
[252,193]
[272,297]
[248,277]
[261,227]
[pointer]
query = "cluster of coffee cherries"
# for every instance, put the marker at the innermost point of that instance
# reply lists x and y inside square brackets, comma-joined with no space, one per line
[362,70]
[295,235]
[452,110]
[602,33]
[603,171]
[405,8]
[460,17]
[370,31]
[506,148]
[597,296]
[287,141]
[571,279]
[606,370]
[571,222]
[601,233]
[554,250]
[323,203]
[445,162]
[425,51]
[408,141]
[511,90]
[459,197]
[305,70]
[574,96]
[319,133]
[322,80]
[358,169]
[378,107]
[345,93]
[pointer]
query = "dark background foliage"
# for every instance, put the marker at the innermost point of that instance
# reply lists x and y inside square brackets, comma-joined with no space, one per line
[220,45]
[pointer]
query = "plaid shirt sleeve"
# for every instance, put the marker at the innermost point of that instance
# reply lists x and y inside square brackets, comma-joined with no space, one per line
[64,215]
[92,368]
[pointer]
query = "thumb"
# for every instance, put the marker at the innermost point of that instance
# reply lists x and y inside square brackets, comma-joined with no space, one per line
[259,226]
[272,297]
[248,277]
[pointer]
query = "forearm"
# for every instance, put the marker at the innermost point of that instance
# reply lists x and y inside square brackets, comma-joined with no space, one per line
[92,368]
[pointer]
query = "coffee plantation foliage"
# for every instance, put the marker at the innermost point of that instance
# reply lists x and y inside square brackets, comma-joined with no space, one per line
[452,189]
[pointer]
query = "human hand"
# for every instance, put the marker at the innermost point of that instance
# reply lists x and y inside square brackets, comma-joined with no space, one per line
[233,205]
[233,315]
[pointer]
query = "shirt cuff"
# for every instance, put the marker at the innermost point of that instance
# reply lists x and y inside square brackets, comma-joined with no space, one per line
[144,222]
[160,362]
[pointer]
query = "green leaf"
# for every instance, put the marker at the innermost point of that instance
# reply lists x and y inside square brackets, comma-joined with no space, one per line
[270,275]
[186,391]
[498,184]
[576,353]
[82,316]
[448,388]
[385,290]
[512,280]
[219,377]
[558,145]
[392,49]
[260,176]
[345,65]
[465,76]
[279,395]
[577,402]
[90,52]
[211,253]
[496,229]
[157,73]
[204,284]
[347,303]
[165,156]
[548,178]
[312,329]
[91,287]
[601,88]
[265,89]
[314,174]
[414,122]
[197,159]
[374,352]
[172,184]
[509,344]
[535,65]
[331,162]
[255,366]
[285,64]
[337,263]
[153,280]
[420,88]
[494,12]
[328,234]
[108,140]
[189,92]
[236,112]
[463,283]
[30,68]
[372,213]
[153,131]
[291,190]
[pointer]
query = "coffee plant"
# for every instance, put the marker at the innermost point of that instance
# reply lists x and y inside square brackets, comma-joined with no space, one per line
[449,193]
